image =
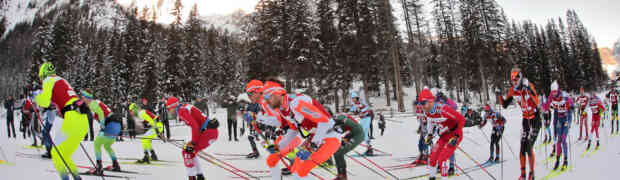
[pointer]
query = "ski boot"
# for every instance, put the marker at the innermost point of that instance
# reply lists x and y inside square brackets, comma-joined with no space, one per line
[192,177]
[431,178]
[588,147]
[522,177]
[491,159]
[98,169]
[532,176]
[369,152]
[154,156]
[565,165]
[200,177]
[598,144]
[497,159]
[451,171]
[557,164]
[341,176]
[115,166]
[145,159]
[47,155]
[252,155]
[286,172]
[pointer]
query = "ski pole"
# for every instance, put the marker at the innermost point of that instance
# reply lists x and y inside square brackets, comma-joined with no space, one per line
[180,146]
[463,171]
[360,163]
[509,147]
[375,164]
[54,146]
[91,160]
[477,163]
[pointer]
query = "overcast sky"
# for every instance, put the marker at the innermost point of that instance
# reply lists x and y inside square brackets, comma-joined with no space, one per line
[601,17]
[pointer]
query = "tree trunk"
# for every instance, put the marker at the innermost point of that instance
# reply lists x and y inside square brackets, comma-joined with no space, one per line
[386,84]
[337,100]
[395,58]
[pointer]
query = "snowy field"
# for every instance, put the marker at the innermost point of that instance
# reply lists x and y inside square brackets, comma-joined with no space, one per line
[399,139]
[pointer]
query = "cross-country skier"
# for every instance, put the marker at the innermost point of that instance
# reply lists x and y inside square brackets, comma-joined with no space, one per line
[110,124]
[524,93]
[204,133]
[354,136]
[254,91]
[596,108]
[301,111]
[423,130]
[497,123]
[152,127]
[613,100]
[75,124]
[30,119]
[561,103]
[363,110]
[450,124]
[582,101]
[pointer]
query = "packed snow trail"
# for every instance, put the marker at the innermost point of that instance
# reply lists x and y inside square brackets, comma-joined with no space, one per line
[399,140]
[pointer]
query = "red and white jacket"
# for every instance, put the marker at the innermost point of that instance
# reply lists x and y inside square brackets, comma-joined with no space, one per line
[193,118]
[449,122]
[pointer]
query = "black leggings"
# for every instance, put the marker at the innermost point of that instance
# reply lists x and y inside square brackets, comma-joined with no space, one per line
[495,138]
[531,127]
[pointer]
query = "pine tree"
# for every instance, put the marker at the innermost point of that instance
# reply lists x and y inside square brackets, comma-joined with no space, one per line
[174,55]
[192,83]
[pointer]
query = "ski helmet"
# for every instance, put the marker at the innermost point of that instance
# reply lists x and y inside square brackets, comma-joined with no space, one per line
[354,95]
[46,69]
[425,95]
[132,107]
[172,102]
[555,88]
[254,86]
[487,108]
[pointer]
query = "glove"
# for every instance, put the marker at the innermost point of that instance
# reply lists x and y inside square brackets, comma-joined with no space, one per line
[429,139]
[303,154]
[189,147]
[453,140]
[273,148]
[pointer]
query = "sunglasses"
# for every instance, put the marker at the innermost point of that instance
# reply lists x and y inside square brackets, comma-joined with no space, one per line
[421,103]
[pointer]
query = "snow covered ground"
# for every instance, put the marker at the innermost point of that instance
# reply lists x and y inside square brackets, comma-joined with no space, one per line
[399,139]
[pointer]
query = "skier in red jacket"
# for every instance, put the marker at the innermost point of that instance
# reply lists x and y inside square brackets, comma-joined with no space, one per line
[450,124]
[204,133]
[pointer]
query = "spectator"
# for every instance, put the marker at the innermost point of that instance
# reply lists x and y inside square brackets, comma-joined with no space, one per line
[232,106]
[9,105]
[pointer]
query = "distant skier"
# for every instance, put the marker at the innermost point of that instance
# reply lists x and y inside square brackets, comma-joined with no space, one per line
[497,124]
[423,130]
[527,98]
[363,111]
[354,136]
[153,129]
[9,105]
[596,108]
[450,125]
[75,124]
[561,103]
[381,123]
[110,124]
[30,120]
[204,133]
[582,101]
[613,99]
[254,91]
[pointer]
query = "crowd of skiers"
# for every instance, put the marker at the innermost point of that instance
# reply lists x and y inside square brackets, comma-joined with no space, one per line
[296,129]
